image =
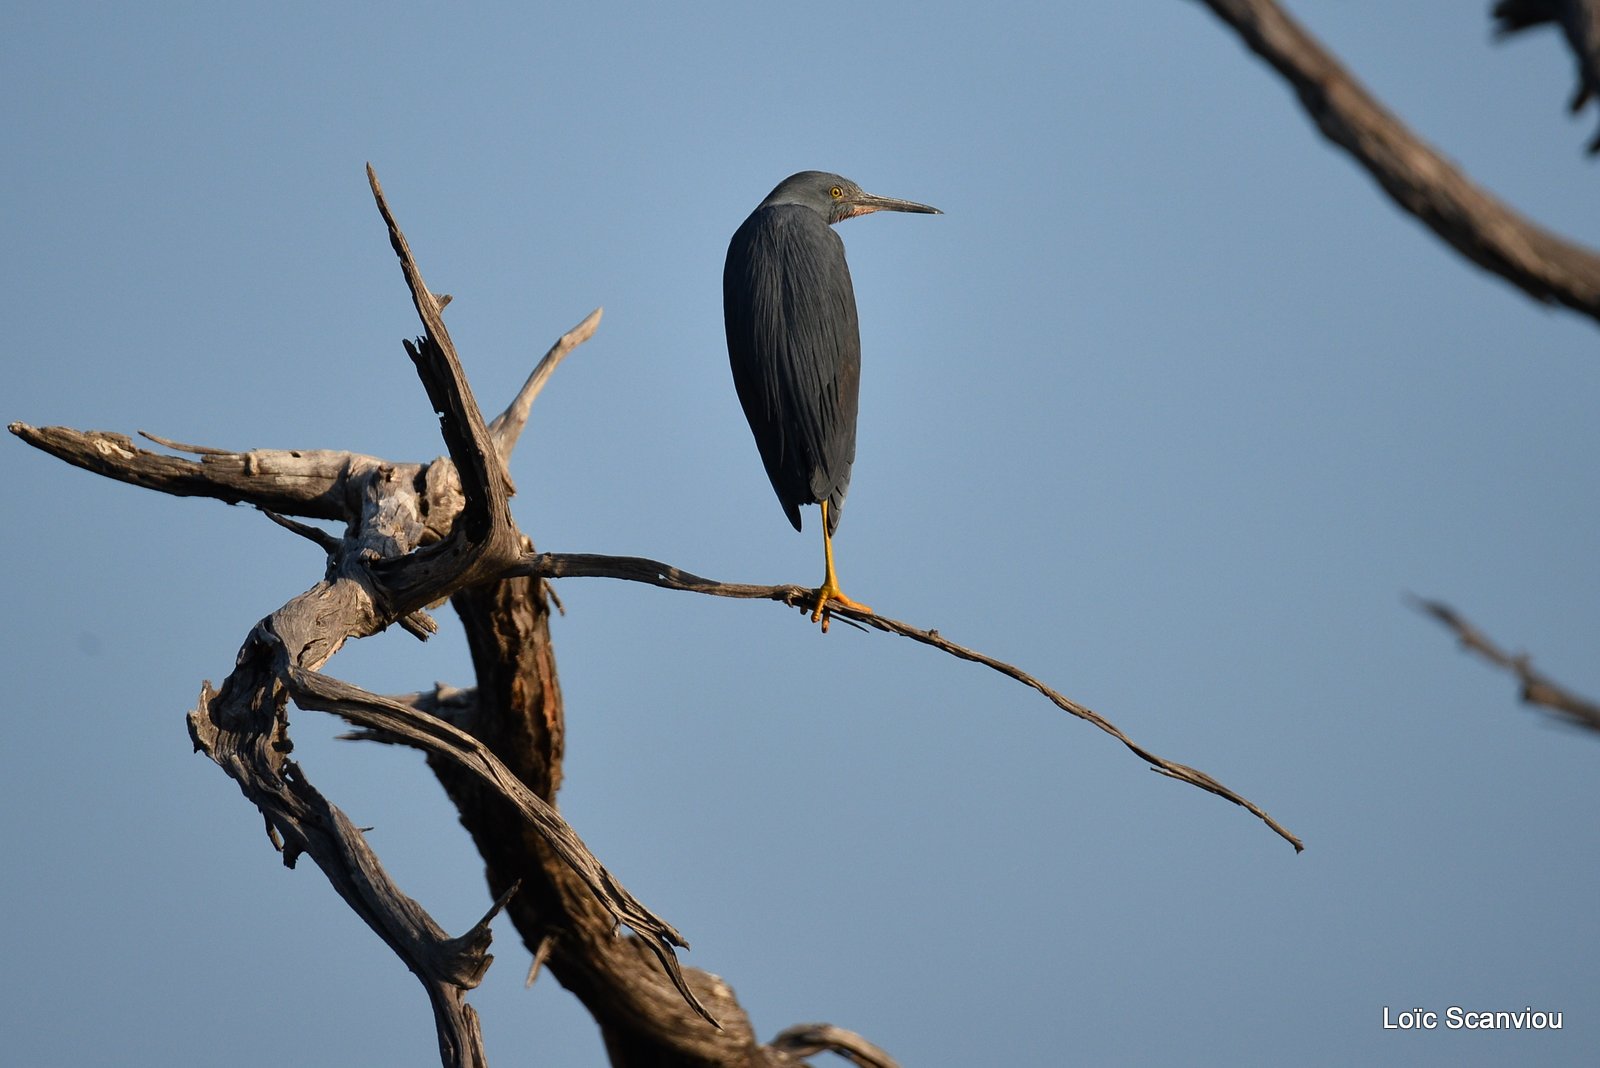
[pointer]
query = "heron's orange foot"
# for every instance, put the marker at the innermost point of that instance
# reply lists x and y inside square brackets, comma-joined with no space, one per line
[829,598]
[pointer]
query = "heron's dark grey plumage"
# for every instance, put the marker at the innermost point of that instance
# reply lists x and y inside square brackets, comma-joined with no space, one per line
[794,341]
[795,349]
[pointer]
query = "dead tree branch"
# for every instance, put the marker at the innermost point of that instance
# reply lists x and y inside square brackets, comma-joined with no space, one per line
[1547,267]
[414,533]
[507,426]
[403,723]
[655,573]
[310,483]
[1537,689]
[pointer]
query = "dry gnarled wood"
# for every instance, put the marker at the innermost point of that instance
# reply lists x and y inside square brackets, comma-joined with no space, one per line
[403,723]
[414,533]
[1419,179]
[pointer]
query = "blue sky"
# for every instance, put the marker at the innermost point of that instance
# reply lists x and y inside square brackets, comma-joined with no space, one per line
[1170,408]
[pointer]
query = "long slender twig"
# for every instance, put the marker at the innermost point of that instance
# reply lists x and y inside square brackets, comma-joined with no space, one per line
[1537,689]
[316,535]
[655,573]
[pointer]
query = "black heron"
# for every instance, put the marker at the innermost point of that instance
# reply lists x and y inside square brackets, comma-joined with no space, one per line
[795,346]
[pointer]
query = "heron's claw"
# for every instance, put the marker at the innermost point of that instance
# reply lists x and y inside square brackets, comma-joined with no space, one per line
[829,597]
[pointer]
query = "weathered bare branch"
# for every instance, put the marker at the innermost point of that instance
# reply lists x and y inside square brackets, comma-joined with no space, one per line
[483,473]
[1419,179]
[412,533]
[401,722]
[507,427]
[655,573]
[307,483]
[224,725]
[391,510]
[484,534]
[1537,689]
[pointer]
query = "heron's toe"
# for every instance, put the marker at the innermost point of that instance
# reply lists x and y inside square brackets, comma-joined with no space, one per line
[830,598]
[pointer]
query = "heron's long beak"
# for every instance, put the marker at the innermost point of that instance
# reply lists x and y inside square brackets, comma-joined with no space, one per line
[867,203]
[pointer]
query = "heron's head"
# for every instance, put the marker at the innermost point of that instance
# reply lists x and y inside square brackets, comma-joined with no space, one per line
[836,198]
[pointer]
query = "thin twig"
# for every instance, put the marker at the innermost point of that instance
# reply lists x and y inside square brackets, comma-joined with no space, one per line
[198,450]
[541,953]
[316,535]
[806,1040]
[1537,690]
[655,573]
[507,427]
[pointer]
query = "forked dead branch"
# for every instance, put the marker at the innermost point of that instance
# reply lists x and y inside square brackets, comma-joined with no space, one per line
[414,535]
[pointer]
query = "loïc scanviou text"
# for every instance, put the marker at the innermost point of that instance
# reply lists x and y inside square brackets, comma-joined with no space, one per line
[1456,1018]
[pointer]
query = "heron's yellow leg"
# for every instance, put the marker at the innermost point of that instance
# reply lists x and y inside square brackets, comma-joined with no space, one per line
[829,591]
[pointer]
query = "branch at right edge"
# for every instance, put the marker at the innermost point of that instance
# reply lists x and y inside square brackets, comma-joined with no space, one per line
[1542,264]
[1537,690]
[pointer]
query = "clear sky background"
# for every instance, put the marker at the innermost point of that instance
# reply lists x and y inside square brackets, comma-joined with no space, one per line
[1171,408]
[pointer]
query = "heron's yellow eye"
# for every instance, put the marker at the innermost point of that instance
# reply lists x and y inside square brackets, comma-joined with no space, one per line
[836,192]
